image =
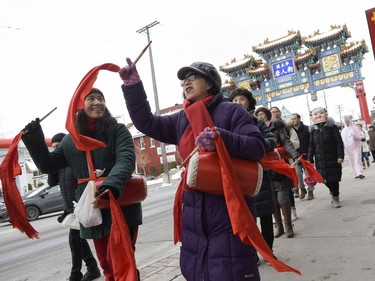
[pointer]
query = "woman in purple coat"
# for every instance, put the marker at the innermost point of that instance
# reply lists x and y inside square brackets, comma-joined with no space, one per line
[209,250]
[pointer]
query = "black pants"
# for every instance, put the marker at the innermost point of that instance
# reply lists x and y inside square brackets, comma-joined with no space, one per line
[80,250]
[333,187]
[266,226]
[373,155]
[291,198]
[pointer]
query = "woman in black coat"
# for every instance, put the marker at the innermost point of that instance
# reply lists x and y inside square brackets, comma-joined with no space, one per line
[326,150]
[264,201]
[281,183]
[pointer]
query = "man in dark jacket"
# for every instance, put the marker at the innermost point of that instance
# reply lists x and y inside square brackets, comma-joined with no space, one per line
[79,248]
[303,133]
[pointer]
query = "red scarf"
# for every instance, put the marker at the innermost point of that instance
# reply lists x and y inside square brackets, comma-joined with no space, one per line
[91,126]
[186,145]
[242,221]
[120,245]
[9,169]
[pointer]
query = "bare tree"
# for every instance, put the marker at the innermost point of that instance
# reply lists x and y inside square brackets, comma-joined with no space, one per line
[142,158]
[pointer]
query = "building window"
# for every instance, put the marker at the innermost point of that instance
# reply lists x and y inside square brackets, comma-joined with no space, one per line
[142,144]
[152,142]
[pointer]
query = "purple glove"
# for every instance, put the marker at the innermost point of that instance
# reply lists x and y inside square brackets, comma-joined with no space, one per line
[206,139]
[129,73]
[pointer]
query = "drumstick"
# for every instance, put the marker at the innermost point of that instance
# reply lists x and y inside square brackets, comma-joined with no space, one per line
[141,54]
[189,156]
[137,59]
[44,117]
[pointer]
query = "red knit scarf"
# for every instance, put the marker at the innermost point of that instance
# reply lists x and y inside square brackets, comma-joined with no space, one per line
[242,221]
[91,126]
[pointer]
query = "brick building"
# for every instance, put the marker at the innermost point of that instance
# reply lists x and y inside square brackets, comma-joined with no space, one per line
[148,151]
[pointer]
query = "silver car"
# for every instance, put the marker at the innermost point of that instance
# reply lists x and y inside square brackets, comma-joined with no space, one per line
[41,201]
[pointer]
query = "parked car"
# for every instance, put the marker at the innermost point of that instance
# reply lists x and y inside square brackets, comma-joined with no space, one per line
[41,201]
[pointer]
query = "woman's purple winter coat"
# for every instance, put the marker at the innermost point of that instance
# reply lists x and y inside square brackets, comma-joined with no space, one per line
[209,249]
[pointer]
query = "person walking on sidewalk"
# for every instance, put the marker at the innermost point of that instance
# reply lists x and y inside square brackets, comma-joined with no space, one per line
[293,137]
[265,199]
[371,134]
[281,183]
[326,150]
[209,249]
[351,136]
[365,149]
[303,134]
[79,248]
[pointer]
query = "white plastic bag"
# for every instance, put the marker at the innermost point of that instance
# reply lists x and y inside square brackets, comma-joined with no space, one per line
[84,210]
[70,221]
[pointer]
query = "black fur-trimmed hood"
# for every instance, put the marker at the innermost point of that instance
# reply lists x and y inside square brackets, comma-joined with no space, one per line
[277,124]
[330,123]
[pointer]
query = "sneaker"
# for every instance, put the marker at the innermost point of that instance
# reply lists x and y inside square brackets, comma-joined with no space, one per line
[91,275]
[335,202]
[294,214]
[361,176]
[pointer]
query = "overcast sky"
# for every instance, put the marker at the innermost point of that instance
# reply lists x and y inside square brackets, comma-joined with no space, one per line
[47,46]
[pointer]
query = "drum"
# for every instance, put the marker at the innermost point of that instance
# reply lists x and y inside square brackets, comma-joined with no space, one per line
[135,191]
[204,174]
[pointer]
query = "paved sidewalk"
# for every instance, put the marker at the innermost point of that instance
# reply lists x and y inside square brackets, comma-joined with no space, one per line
[329,244]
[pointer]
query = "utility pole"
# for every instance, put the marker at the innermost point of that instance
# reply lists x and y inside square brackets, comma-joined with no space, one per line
[146,29]
[339,108]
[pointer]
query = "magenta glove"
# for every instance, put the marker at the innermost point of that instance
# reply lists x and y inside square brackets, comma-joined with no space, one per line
[206,139]
[129,73]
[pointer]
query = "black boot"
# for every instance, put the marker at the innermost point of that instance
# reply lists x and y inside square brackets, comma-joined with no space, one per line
[91,274]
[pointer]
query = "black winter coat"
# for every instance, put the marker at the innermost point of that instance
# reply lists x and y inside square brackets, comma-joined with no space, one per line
[117,159]
[278,128]
[304,139]
[326,146]
[265,199]
[68,185]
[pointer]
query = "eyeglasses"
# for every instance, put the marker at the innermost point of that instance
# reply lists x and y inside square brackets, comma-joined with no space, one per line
[191,77]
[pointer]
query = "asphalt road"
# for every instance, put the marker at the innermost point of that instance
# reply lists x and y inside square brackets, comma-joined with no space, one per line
[48,258]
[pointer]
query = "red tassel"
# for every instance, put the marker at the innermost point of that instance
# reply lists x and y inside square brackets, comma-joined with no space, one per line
[243,223]
[124,267]
[281,167]
[311,172]
[9,169]
[177,209]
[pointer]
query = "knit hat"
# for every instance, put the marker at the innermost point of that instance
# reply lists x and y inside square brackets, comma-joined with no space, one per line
[95,90]
[58,137]
[205,69]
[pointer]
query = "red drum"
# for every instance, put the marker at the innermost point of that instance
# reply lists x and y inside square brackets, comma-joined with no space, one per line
[135,191]
[204,174]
